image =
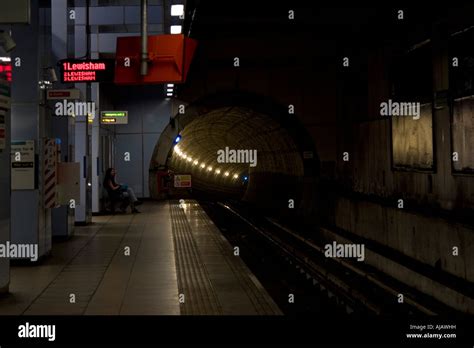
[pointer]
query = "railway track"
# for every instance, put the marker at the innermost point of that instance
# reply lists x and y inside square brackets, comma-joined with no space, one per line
[336,285]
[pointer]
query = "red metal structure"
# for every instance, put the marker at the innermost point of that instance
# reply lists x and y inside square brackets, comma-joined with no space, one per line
[170,57]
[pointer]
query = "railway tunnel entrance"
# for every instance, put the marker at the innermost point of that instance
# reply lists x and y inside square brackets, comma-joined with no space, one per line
[242,147]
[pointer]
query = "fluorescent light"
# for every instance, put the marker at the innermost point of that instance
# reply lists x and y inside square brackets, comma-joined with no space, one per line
[169,94]
[5,59]
[175,29]
[177,10]
[169,90]
[170,85]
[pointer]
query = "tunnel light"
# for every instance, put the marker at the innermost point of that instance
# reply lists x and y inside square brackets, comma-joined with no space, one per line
[218,171]
[209,168]
[236,176]
[177,10]
[226,173]
[189,159]
[175,29]
[196,162]
[177,139]
[246,178]
[203,165]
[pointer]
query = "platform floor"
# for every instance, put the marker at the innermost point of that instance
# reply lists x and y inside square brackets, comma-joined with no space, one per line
[178,263]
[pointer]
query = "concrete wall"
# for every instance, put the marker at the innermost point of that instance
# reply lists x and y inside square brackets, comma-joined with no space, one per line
[437,204]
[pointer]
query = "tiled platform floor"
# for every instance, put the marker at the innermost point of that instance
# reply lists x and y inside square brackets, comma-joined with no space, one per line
[176,254]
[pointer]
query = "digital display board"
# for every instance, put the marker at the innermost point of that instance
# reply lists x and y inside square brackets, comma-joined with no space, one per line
[6,71]
[90,70]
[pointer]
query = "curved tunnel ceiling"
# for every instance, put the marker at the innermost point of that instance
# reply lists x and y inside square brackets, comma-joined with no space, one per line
[237,128]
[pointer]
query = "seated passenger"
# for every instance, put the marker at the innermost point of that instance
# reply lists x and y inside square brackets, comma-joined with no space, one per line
[120,192]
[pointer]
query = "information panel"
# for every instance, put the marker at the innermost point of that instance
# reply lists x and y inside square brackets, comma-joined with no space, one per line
[23,165]
[114,117]
[181,180]
[91,70]
[62,94]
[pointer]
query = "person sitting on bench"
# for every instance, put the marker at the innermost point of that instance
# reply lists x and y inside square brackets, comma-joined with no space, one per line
[120,192]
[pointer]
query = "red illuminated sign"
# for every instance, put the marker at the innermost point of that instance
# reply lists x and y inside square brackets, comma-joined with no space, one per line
[6,70]
[93,70]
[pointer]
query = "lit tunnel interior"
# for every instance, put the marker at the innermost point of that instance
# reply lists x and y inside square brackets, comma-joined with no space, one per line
[243,152]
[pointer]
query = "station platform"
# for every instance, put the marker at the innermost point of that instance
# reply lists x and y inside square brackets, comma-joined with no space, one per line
[141,264]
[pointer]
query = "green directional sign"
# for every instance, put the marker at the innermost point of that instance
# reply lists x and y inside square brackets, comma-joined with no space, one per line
[114,117]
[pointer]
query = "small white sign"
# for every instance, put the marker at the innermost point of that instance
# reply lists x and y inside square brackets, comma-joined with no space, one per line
[23,165]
